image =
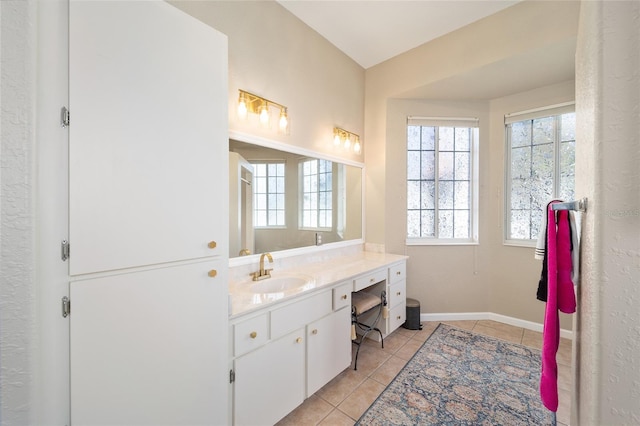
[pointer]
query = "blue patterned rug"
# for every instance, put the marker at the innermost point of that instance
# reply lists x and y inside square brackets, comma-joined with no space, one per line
[462,378]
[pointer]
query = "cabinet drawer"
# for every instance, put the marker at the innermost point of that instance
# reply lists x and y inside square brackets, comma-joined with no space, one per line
[397,272]
[397,316]
[298,314]
[369,279]
[250,334]
[342,296]
[397,293]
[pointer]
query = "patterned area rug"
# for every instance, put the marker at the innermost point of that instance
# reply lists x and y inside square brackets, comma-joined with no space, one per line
[462,378]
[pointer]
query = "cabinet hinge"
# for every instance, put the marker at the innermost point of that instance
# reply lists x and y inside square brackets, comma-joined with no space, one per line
[232,376]
[66,307]
[64,250]
[64,117]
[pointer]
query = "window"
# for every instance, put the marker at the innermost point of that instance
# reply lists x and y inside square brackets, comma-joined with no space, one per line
[316,209]
[442,181]
[268,194]
[540,166]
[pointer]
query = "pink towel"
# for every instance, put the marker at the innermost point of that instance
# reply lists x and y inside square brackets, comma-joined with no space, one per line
[560,295]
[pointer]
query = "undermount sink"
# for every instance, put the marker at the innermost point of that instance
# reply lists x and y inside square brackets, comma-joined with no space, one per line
[279,284]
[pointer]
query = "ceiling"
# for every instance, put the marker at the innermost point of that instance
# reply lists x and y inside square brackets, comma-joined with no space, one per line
[372,31]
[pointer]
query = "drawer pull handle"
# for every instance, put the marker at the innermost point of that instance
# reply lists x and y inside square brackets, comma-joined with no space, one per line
[212,244]
[344,297]
[212,273]
[299,340]
[314,331]
[253,335]
[398,293]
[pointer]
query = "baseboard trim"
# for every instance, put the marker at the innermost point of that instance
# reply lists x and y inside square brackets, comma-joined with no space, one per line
[474,316]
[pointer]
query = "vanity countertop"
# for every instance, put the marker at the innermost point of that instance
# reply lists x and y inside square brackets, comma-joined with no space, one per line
[319,274]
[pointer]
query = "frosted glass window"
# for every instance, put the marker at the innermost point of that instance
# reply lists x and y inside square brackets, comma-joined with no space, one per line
[268,194]
[540,166]
[441,183]
[316,209]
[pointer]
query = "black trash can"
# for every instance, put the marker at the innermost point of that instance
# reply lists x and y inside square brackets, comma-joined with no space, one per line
[413,315]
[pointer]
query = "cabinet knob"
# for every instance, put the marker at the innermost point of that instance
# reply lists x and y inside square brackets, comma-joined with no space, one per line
[371,280]
[398,273]
[299,340]
[212,244]
[398,293]
[212,273]
[253,335]
[344,297]
[399,317]
[314,331]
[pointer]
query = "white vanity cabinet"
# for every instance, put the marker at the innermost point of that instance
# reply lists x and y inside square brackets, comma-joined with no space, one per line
[396,294]
[269,382]
[328,348]
[284,354]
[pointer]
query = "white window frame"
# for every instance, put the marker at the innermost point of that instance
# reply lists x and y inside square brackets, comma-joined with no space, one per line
[459,122]
[254,163]
[301,209]
[532,114]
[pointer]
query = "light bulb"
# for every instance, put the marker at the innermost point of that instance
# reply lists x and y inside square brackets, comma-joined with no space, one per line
[347,142]
[264,115]
[242,107]
[284,121]
[336,138]
[356,146]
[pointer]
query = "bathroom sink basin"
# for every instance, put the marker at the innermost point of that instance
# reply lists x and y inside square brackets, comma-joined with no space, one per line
[279,284]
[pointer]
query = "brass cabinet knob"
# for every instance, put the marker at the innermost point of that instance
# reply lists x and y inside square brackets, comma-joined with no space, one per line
[212,244]
[212,273]
[299,340]
[253,335]
[314,331]
[344,297]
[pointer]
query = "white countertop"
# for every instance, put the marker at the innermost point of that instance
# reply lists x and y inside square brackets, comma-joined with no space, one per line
[319,275]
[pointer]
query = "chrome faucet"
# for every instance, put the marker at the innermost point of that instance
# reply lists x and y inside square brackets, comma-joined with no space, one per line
[263,274]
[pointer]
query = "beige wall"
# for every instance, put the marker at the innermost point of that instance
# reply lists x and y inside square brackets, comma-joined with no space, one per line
[432,80]
[514,273]
[274,55]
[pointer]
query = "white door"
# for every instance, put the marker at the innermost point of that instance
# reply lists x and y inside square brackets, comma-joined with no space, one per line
[148,185]
[148,135]
[147,349]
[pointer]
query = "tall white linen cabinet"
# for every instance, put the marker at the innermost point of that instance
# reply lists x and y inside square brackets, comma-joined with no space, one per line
[148,215]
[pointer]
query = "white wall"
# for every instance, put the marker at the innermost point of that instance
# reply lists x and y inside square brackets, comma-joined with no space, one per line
[17,211]
[607,158]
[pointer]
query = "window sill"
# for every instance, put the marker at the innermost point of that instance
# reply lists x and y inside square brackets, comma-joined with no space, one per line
[520,243]
[441,242]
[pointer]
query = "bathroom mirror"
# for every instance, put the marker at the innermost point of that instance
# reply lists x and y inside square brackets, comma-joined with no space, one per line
[280,199]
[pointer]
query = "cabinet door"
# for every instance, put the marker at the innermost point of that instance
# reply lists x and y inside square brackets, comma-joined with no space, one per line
[270,381]
[148,138]
[328,349]
[150,347]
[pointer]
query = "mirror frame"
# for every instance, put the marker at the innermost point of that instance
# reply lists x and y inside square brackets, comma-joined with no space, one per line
[269,143]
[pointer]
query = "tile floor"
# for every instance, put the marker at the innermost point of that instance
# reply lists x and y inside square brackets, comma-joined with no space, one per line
[343,400]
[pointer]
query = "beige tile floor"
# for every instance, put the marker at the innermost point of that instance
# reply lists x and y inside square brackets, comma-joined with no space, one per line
[343,400]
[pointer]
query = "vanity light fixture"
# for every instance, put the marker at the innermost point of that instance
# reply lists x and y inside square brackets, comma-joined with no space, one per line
[254,104]
[346,139]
